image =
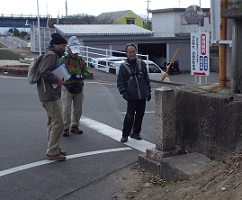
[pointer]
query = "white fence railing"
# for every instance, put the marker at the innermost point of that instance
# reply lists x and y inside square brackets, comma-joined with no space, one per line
[102,59]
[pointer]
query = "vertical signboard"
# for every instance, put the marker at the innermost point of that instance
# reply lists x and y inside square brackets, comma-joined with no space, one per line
[200,54]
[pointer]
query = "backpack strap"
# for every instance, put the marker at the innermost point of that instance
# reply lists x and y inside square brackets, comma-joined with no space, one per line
[42,80]
[48,53]
[80,62]
[129,69]
[139,64]
[67,60]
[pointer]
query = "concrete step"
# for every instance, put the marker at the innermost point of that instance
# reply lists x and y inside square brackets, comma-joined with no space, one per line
[176,168]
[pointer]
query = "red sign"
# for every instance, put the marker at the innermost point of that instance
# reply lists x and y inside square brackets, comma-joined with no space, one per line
[203,44]
[199,73]
[200,54]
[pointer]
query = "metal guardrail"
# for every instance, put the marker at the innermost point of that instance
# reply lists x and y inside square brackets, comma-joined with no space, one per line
[92,53]
[23,16]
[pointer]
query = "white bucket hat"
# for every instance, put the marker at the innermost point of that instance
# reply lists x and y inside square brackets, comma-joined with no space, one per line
[74,44]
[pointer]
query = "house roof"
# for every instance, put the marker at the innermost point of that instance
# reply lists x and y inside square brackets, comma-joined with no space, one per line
[113,16]
[101,29]
[173,10]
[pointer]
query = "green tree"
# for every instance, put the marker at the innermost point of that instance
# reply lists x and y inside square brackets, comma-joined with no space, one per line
[24,34]
[14,31]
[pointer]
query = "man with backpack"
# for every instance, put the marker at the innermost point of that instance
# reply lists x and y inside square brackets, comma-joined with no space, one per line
[50,96]
[134,84]
[72,91]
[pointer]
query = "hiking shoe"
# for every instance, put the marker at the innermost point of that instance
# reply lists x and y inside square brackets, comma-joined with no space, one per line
[58,157]
[76,130]
[124,139]
[66,133]
[63,153]
[136,136]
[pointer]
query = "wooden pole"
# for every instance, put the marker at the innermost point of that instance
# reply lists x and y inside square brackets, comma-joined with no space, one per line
[167,69]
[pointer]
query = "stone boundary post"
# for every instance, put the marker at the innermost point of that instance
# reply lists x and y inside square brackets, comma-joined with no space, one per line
[165,119]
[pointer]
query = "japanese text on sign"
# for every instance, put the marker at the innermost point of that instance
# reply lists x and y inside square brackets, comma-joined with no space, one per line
[200,54]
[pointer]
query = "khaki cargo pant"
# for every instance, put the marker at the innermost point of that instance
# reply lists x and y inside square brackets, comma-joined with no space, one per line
[55,125]
[72,107]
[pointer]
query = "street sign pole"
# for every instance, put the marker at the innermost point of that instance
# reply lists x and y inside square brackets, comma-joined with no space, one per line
[199,44]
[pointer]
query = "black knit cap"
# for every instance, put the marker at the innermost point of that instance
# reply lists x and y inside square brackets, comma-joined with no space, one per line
[57,39]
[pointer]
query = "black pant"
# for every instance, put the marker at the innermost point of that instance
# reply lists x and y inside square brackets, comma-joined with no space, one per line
[134,116]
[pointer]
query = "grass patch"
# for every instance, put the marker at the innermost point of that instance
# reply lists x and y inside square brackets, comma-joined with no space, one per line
[8,55]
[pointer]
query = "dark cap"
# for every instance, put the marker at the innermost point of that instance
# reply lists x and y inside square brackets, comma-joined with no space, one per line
[57,39]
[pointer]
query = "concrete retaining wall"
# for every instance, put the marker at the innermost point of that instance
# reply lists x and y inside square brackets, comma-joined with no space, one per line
[208,123]
[214,64]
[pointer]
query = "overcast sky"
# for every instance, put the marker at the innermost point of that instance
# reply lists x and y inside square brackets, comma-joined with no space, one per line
[91,7]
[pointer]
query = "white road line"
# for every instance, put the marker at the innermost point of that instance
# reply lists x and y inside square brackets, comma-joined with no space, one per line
[44,162]
[100,83]
[115,134]
[104,129]
[11,77]
[146,112]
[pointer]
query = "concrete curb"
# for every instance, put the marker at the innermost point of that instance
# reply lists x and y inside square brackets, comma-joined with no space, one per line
[176,168]
[15,70]
[21,70]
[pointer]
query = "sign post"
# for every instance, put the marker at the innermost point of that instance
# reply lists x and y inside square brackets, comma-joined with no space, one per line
[199,44]
[200,55]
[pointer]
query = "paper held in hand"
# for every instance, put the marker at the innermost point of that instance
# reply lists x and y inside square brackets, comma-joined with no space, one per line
[61,72]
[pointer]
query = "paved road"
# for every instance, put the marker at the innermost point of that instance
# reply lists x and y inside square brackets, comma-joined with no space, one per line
[185,78]
[188,79]
[12,42]
[24,172]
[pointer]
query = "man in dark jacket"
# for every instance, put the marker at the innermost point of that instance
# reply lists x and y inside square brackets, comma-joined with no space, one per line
[134,84]
[50,96]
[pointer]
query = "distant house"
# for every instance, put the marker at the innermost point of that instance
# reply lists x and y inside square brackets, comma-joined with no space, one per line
[107,36]
[171,22]
[121,17]
[116,36]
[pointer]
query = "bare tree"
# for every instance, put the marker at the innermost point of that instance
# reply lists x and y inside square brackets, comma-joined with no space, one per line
[79,19]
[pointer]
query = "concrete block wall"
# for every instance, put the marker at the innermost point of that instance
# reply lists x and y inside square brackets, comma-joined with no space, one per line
[208,123]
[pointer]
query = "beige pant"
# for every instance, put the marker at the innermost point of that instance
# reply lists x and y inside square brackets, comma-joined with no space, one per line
[55,125]
[72,107]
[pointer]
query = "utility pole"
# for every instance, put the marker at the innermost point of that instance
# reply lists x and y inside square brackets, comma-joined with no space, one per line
[47,14]
[66,9]
[147,9]
[222,47]
[39,28]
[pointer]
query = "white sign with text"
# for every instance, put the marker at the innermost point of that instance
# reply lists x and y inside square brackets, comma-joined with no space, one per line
[200,54]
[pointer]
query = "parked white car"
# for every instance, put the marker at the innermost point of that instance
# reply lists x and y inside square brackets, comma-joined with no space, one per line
[154,71]
[102,62]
